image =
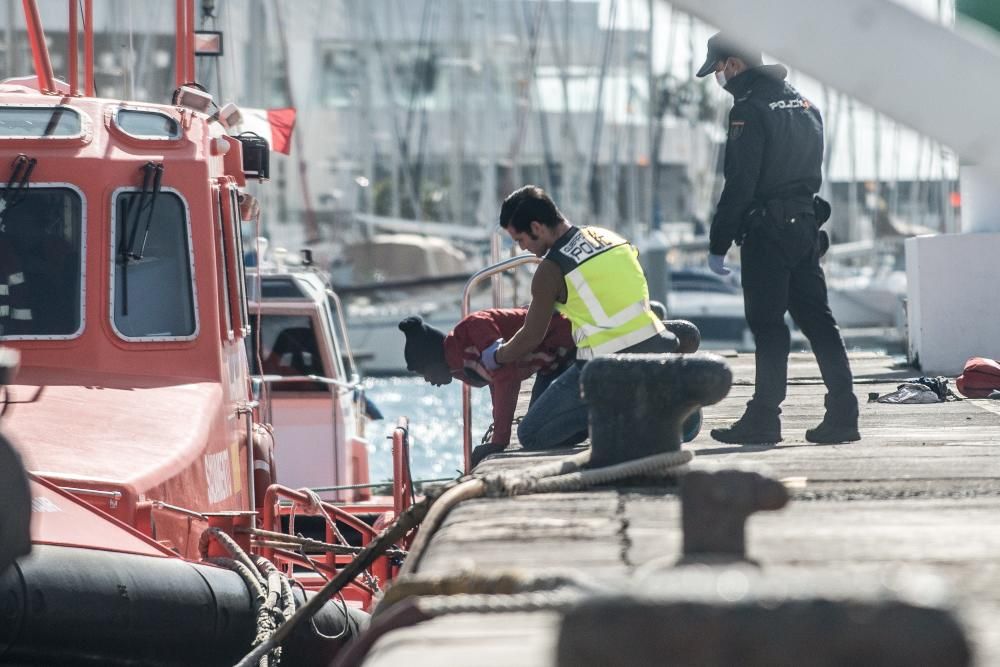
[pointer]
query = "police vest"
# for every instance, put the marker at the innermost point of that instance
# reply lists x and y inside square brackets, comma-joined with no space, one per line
[607,300]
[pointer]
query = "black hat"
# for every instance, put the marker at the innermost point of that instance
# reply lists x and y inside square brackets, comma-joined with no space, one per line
[424,344]
[720,47]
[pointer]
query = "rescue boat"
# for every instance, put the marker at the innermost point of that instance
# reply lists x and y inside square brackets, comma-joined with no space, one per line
[151,465]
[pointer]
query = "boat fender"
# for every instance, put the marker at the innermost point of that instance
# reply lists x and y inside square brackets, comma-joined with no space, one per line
[15,498]
[264,472]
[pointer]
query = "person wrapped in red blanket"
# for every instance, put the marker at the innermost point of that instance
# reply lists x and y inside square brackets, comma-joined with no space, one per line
[439,358]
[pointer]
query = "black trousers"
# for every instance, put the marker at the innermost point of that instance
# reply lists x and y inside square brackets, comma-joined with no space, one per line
[783,275]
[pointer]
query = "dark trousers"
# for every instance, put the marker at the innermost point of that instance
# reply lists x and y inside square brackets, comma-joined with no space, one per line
[787,277]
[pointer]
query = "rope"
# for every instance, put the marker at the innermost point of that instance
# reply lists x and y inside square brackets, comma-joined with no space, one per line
[284,540]
[558,476]
[471,488]
[669,464]
[471,583]
[230,545]
[268,586]
[249,578]
[316,506]
[558,600]
[403,524]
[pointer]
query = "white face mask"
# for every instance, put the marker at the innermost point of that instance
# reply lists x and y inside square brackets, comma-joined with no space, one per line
[720,78]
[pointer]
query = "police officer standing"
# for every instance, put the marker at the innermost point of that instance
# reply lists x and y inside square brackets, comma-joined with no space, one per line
[774,155]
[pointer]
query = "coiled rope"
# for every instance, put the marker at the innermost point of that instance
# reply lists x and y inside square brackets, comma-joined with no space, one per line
[273,599]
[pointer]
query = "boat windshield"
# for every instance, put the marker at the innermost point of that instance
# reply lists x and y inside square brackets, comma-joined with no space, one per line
[288,347]
[39,122]
[41,275]
[153,291]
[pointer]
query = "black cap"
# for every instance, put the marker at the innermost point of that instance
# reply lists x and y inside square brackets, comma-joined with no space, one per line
[424,344]
[722,46]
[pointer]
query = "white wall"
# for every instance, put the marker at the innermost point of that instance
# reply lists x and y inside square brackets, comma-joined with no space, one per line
[953,288]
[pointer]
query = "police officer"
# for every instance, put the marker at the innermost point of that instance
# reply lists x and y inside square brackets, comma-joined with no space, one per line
[774,154]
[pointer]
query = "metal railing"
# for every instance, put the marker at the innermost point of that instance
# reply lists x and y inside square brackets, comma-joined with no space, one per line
[477,277]
[342,387]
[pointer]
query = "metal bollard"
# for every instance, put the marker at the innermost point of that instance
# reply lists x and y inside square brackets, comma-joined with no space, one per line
[714,511]
[688,336]
[638,402]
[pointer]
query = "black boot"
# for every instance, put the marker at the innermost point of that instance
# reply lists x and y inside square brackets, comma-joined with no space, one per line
[840,423]
[482,451]
[753,428]
[833,430]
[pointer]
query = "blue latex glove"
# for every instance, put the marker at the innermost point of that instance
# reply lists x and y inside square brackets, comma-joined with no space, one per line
[489,355]
[718,264]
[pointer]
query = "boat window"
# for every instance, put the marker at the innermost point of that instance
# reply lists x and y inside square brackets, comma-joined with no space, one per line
[41,273]
[153,286]
[278,287]
[224,268]
[147,124]
[234,206]
[338,337]
[288,347]
[37,122]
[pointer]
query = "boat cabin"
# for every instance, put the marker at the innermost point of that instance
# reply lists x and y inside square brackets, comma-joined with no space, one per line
[300,354]
[122,286]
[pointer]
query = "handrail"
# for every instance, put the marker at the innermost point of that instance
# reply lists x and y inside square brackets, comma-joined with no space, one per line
[114,497]
[478,276]
[274,378]
[402,482]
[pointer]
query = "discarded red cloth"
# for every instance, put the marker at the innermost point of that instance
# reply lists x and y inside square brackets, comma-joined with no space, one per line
[979,378]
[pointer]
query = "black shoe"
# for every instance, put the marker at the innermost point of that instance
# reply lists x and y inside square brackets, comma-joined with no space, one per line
[830,432]
[750,429]
[482,451]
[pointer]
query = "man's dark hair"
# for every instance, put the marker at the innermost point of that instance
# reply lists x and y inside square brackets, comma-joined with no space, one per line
[526,204]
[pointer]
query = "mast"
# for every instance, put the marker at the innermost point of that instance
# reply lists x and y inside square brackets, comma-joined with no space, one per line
[39,50]
[88,48]
[74,31]
[181,73]
[312,228]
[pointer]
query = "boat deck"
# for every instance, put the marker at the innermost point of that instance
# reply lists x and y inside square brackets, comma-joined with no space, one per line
[920,491]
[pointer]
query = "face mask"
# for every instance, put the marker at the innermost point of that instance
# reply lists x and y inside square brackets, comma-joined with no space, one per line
[720,78]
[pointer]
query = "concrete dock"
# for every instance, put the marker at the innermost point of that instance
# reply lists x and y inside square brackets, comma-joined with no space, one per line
[917,497]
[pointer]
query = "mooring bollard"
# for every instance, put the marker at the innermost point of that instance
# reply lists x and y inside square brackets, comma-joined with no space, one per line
[638,402]
[714,511]
[688,336]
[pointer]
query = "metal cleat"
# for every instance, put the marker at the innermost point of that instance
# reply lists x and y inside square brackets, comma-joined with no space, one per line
[638,402]
[714,511]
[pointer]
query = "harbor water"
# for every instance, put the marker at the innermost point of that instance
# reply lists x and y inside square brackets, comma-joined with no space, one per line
[435,415]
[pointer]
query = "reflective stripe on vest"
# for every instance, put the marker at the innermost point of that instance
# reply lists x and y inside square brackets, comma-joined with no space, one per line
[607,300]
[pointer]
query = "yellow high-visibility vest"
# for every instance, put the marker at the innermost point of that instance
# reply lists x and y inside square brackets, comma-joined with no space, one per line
[607,299]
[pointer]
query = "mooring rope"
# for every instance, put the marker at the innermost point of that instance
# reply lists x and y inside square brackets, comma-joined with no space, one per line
[560,476]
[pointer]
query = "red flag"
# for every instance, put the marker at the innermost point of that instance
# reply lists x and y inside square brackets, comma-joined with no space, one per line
[275,125]
[282,123]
